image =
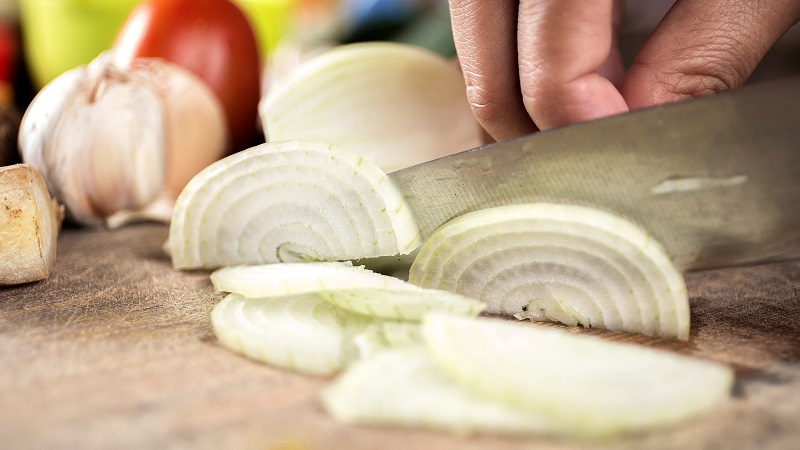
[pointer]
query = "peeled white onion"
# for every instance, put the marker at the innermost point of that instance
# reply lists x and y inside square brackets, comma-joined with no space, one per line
[395,104]
[289,201]
[564,263]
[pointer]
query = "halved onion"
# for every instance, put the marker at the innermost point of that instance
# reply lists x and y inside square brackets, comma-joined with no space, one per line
[564,263]
[303,333]
[584,385]
[405,386]
[289,201]
[395,104]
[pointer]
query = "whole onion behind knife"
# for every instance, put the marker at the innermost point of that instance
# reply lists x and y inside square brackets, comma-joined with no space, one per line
[397,105]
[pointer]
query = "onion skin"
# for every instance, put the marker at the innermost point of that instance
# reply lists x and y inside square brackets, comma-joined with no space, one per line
[211,38]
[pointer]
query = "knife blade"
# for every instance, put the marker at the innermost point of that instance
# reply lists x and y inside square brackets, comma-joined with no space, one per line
[716,180]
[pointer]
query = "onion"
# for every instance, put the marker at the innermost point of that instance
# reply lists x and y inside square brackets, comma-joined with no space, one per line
[563,263]
[395,104]
[485,375]
[289,201]
[402,304]
[275,280]
[352,288]
[586,386]
[387,335]
[406,387]
[302,333]
[314,317]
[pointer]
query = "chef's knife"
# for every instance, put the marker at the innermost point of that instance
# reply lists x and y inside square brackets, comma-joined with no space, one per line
[716,180]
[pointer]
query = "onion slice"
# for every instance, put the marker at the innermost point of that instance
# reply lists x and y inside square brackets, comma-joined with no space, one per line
[385,335]
[275,280]
[405,386]
[564,263]
[395,104]
[402,304]
[352,288]
[289,201]
[586,386]
[302,333]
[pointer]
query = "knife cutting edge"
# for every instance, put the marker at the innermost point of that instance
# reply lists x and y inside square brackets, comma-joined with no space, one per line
[716,180]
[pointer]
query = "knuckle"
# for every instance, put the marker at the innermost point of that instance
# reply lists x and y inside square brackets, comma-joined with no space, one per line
[720,62]
[485,106]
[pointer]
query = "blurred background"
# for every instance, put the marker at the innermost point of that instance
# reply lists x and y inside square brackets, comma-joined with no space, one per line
[40,39]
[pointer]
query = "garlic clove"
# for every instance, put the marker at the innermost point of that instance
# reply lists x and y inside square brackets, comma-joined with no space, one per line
[40,116]
[195,121]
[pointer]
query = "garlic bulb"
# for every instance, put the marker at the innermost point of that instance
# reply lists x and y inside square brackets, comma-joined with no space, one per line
[112,142]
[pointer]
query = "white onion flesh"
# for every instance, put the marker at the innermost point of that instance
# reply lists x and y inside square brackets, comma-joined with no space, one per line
[353,288]
[289,201]
[386,335]
[274,280]
[403,304]
[406,387]
[570,264]
[395,104]
[302,333]
[586,386]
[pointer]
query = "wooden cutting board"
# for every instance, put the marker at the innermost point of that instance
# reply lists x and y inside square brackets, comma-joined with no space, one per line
[115,350]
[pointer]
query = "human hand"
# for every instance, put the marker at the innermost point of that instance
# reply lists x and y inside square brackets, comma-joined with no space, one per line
[532,64]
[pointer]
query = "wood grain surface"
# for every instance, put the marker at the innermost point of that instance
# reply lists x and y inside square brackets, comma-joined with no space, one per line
[115,350]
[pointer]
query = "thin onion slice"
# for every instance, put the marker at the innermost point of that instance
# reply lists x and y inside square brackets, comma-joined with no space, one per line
[353,288]
[406,387]
[395,104]
[289,201]
[565,263]
[302,333]
[386,335]
[586,386]
[274,280]
[402,304]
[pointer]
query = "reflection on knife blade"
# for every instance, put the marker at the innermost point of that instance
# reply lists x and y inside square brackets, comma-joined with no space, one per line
[716,179]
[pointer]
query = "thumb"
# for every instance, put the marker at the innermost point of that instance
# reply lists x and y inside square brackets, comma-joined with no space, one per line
[703,47]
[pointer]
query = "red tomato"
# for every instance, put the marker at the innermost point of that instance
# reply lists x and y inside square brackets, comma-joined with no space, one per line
[213,39]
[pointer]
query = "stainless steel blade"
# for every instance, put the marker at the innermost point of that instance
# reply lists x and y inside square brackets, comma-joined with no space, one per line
[716,180]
